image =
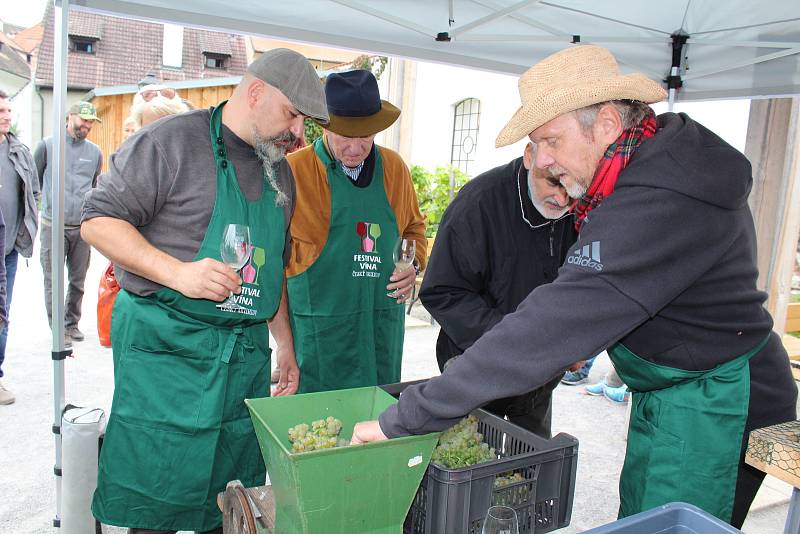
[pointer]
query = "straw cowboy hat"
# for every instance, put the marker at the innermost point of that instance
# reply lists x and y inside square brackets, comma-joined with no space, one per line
[571,79]
[355,108]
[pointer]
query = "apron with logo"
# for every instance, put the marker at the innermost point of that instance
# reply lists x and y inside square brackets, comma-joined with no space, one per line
[179,429]
[685,433]
[347,331]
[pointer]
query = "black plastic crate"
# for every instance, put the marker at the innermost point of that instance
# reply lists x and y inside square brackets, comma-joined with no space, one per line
[455,501]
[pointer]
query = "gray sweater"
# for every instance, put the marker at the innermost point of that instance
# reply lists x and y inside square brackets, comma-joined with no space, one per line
[83,161]
[163,181]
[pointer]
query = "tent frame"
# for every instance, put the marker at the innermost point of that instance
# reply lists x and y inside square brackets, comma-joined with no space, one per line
[464,33]
[58,164]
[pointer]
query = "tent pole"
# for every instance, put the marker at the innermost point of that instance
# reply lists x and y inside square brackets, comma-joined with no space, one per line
[57,164]
[674,80]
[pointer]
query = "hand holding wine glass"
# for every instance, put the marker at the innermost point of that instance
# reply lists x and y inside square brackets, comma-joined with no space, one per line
[235,251]
[403,255]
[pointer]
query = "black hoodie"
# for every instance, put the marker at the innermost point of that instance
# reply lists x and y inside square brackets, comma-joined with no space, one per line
[667,265]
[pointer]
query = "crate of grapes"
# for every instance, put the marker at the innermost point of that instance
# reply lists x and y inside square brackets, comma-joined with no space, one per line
[322,485]
[533,475]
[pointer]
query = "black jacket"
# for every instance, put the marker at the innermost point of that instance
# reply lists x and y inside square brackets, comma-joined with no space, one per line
[667,265]
[492,249]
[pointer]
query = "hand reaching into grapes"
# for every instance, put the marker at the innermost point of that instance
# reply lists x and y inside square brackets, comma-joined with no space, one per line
[366,432]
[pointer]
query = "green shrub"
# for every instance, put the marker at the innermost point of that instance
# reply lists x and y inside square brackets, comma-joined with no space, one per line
[433,192]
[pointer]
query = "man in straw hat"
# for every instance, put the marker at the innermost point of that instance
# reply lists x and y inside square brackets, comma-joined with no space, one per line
[355,200]
[178,194]
[663,277]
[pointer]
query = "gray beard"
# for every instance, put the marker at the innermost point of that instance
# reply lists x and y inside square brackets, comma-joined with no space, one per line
[271,154]
[576,190]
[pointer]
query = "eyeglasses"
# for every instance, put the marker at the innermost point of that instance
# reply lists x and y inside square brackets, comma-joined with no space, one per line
[166,92]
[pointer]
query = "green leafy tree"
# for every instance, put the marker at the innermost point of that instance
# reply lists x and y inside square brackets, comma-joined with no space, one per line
[375,64]
[433,192]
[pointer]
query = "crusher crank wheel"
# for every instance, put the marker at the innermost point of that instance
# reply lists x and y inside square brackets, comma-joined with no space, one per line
[237,516]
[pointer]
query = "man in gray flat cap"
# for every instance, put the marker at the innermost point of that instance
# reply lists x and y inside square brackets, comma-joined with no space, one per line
[184,360]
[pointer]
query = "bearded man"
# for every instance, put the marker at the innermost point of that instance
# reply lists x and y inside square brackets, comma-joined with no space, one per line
[183,362]
[663,277]
[84,160]
[505,234]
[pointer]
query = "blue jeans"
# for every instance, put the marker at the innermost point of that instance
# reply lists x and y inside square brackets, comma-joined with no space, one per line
[11,273]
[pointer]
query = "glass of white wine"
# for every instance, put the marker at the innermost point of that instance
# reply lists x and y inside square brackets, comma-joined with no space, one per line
[234,250]
[403,256]
[500,520]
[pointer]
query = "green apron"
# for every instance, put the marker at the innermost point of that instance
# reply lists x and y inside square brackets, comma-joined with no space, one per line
[179,429]
[685,433]
[347,332]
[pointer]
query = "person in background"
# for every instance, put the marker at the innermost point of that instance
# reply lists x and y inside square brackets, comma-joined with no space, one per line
[354,200]
[19,195]
[83,164]
[153,102]
[128,127]
[505,234]
[663,276]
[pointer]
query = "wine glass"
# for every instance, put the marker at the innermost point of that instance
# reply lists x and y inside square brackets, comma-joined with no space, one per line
[234,250]
[403,256]
[500,520]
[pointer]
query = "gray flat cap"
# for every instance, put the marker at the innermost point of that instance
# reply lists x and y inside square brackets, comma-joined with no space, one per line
[294,76]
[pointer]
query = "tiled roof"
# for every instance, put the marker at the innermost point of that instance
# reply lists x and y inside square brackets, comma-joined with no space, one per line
[29,38]
[129,49]
[216,43]
[87,26]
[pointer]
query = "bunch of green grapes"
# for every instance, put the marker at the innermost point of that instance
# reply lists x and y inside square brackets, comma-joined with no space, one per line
[462,445]
[322,434]
[508,492]
[507,478]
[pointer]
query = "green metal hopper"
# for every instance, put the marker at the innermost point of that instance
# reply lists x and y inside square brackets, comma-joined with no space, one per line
[360,488]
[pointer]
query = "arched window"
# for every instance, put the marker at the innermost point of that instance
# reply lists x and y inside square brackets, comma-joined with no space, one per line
[466,122]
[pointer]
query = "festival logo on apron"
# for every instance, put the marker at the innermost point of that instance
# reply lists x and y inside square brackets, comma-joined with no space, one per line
[246,302]
[367,262]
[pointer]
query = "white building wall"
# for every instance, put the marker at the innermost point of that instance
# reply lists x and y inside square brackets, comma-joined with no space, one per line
[438,89]
[21,106]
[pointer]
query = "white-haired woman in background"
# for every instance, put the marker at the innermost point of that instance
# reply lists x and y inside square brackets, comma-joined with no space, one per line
[155,101]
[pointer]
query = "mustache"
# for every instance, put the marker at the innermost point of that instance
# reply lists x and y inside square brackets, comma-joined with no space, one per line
[287,138]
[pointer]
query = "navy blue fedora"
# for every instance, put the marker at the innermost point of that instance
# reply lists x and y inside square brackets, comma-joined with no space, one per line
[355,108]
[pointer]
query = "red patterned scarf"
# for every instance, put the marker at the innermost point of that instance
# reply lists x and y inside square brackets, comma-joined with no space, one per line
[616,158]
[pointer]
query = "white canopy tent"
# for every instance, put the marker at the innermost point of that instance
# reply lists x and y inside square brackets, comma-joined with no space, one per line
[701,49]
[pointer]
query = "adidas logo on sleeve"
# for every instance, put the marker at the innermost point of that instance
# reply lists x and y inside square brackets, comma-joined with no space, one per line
[587,256]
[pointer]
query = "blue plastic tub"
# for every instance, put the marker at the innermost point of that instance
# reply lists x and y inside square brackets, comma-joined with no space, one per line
[672,518]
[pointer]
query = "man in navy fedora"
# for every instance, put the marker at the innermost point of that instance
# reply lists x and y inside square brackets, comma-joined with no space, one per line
[355,201]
